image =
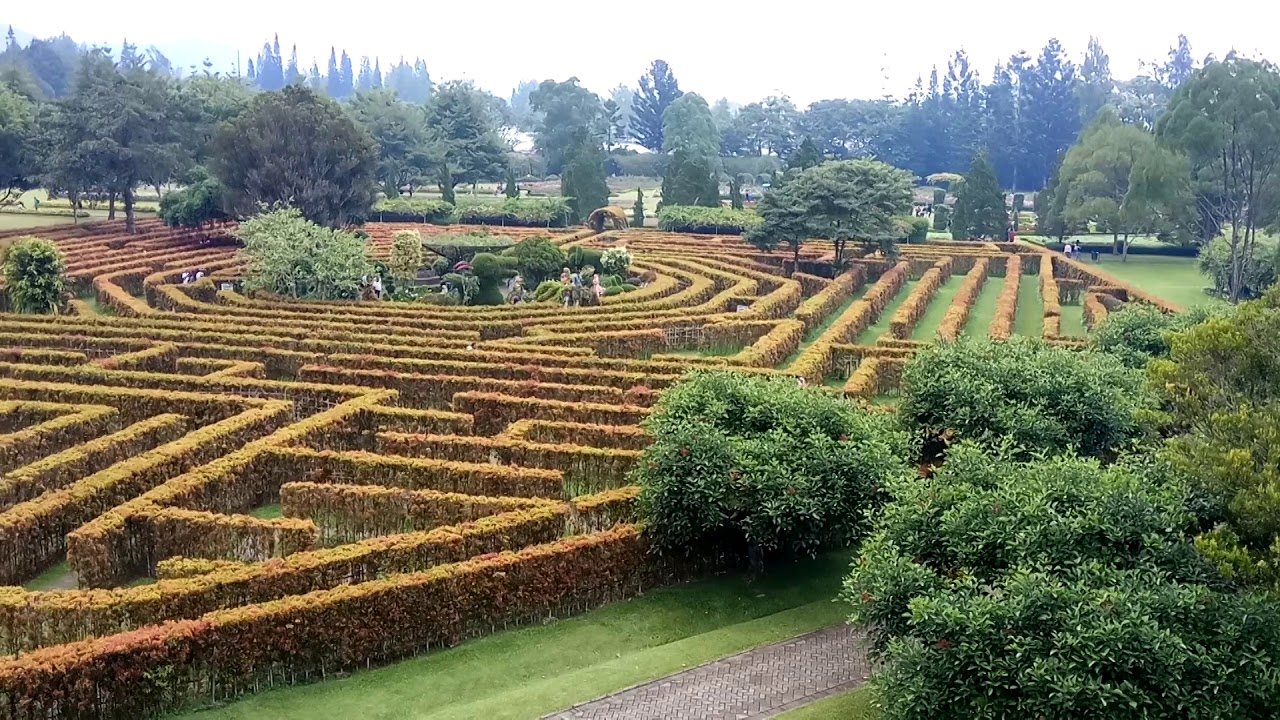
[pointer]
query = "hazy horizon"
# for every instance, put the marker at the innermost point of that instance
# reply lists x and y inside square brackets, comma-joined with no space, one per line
[717,50]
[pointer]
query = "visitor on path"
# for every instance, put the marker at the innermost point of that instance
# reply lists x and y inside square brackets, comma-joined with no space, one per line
[564,277]
[1066,249]
[37,201]
[199,274]
[596,287]
[377,286]
[186,277]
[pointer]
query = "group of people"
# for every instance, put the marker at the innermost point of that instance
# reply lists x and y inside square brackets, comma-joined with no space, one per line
[574,280]
[189,277]
[1071,251]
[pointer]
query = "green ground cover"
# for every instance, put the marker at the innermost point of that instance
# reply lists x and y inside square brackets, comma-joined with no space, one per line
[852,705]
[1029,319]
[1177,280]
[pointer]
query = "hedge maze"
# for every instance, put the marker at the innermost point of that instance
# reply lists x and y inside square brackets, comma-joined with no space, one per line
[441,472]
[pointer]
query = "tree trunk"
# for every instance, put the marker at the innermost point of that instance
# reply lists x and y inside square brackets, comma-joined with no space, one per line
[127,196]
[111,207]
[1124,255]
[74,197]
[795,258]
[1234,290]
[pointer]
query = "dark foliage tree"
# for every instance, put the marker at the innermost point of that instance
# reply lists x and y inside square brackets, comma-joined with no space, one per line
[299,149]
[980,212]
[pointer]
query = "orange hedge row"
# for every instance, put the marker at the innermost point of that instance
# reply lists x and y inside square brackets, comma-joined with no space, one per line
[437,391]
[957,314]
[551,432]
[1049,296]
[814,364]
[1094,311]
[494,412]
[909,313]
[350,513]
[230,652]
[585,469]
[814,310]
[1007,303]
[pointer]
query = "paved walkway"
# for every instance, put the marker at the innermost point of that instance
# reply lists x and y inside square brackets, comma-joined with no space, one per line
[757,684]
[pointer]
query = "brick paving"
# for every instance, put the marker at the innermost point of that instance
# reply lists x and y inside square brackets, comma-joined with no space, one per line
[757,684]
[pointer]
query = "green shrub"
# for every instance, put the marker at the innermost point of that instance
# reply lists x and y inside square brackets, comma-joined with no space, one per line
[742,462]
[288,255]
[519,212]
[548,290]
[707,221]
[33,272]
[1040,397]
[939,197]
[1258,269]
[1139,332]
[491,270]
[537,259]
[615,261]
[405,209]
[1056,588]
[914,229]
[195,205]
[580,257]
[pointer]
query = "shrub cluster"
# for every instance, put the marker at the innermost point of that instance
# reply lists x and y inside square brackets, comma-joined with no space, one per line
[707,221]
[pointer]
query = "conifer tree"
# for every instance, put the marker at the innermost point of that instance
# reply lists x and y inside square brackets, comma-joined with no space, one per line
[980,211]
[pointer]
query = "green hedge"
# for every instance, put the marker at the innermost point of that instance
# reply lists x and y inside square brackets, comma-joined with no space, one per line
[521,212]
[426,210]
[707,221]
[52,212]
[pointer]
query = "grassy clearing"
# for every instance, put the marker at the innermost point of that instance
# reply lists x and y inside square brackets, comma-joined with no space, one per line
[526,673]
[1177,280]
[1030,316]
[58,577]
[1073,320]
[873,333]
[983,311]
[267,512]
[927,329]
[852,705]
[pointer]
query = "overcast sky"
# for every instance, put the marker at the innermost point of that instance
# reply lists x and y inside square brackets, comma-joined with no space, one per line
[742,50]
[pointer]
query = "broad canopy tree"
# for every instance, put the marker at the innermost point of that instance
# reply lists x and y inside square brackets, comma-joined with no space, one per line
[463,141]
[400,130]
[299,149]
[841,201]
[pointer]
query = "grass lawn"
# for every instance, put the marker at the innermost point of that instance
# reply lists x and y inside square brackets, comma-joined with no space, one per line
[1073,320]
[927,329]
[267,512]
[58,577]
[1029,319]
[526,673]
[852,705]
[983,311]
[1177,280]
[873,333]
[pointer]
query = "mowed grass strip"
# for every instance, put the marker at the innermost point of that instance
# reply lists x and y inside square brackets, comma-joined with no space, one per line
[1030,317]
[984,308]
[927,329]
[532,671]
[851,705]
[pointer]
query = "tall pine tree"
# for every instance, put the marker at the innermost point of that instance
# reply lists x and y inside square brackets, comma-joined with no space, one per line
[377,73]
[333,77]
[293,75]
[658,89]
[365,81]
[347,83]
[980,208]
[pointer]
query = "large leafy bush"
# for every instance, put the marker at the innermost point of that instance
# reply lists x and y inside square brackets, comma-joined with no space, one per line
[717,220]
[33,271]
[1042,397]
[288,255]
[744,462]
[1055,588]
[537,259]
[1141,332]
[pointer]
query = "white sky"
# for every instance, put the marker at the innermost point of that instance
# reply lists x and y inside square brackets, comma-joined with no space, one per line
[743,50]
